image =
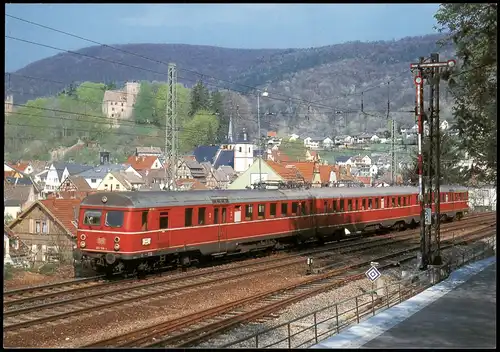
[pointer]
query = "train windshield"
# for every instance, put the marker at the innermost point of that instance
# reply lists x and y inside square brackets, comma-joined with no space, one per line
[92,218]
[114,218]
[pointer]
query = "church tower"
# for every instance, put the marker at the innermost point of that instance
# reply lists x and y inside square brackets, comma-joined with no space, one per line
[243,153]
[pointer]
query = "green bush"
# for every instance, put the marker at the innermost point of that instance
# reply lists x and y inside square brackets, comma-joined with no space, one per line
[48,269]
[8,272]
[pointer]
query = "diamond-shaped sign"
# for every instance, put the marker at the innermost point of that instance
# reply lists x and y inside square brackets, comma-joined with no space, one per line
[372,273]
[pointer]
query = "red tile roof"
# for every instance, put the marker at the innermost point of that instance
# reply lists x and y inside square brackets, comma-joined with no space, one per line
[324,172]
[20,166]
[306,169]
[64,210]
[364,179]
[141,162]
[279,156]
[288,174]
[272,134]
[191,184]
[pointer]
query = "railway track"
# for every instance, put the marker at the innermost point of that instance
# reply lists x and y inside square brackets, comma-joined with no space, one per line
[55,288]
[42,293]
[130,292]
[190,329]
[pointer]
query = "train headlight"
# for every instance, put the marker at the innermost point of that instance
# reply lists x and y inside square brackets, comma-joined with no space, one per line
[117,247]
[117,239]
[82,244]
[83,237]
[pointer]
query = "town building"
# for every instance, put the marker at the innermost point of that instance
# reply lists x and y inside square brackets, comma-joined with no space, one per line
[59,172]
[120,181]
[48,227]
[74,187]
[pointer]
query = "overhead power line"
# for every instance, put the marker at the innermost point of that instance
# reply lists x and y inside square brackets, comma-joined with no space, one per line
[201,75]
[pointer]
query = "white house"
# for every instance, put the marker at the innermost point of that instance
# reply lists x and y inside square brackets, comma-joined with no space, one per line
[95,175]
[59,172]
[484,198]
[375,139]
[366,160]
[373,169]
[293,137]
[327,142]
[363,138]
[343,160]
[313,143]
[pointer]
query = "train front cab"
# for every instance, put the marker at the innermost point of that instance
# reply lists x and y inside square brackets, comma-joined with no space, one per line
[106,234]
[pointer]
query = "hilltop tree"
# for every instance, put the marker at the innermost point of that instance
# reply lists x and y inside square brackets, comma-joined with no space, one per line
[450,171]
[472,27]
[198,131]
[144,110]
[91,94]
[200,98]
[217,106]
[183,103]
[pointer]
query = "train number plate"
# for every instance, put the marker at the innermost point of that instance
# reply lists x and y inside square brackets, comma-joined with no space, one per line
[146,241]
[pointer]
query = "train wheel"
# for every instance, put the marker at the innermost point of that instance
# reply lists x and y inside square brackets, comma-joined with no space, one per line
[401,226]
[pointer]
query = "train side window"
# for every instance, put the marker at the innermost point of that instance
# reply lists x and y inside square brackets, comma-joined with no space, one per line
[164,220]
[349,205]
[188,217]
[144,223]
[393,202]
[237,213]
[399,202]
[295,208]
[284,209]
[377,206]
[370,203]
[216,215]
[303,209]
[404,201]
[249,212]
[363,204]
[224,211]
[272,210]
[201,216]
[325,206]
[261,211]
[334,209]
[342,205]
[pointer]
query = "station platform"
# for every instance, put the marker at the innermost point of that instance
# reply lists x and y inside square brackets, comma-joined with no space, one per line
[459,312]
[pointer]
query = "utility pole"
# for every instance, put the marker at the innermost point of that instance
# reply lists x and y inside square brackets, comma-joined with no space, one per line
[171,141]
[393,136]
[429,70]
[437,144]
[419,83]
[264,94]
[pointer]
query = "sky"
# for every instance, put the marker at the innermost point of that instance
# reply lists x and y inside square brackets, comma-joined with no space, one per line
[227,25]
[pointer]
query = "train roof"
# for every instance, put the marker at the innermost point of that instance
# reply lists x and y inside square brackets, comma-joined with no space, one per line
[185,198]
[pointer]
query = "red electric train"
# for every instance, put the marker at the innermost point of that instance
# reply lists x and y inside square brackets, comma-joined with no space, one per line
[129,231]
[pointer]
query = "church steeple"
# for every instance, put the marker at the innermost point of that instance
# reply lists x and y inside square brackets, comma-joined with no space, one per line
[230,132]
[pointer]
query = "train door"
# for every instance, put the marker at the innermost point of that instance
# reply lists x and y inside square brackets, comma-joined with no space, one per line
[163,219]
[221,214]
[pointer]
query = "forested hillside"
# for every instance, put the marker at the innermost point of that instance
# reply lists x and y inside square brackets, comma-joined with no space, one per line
[316,91]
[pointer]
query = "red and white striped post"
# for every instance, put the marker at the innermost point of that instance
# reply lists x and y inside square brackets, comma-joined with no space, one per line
[419,86]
